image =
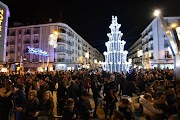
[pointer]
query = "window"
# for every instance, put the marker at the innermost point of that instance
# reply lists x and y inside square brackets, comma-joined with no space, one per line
[19,31]
[167,54]
[36,30]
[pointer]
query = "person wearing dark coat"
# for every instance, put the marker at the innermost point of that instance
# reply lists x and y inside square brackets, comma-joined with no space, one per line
[6,104]
[50,84]
[68,112]
[31,105]
[125,110]
[83,107]
[19,98]
[95,86]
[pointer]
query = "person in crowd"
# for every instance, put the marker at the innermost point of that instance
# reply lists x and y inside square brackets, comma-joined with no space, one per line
[110,102]
[50,84]
[87,83]
[73,91]
[170,96]
[61,97]
[68,112]
[83,107]
[125,109]
[148,108]
[6,103]
[28,86]
[46,106]
[118,115]
[161,103]
[122,82]
[131,88]
[162,85]
[31,105]
[96,87]
[149,89]
[156,84]
[19,98]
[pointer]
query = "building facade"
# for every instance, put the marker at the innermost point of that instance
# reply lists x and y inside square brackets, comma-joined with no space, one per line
[136,53]
[29,46]
[155,48]
[4,15]
[116,56]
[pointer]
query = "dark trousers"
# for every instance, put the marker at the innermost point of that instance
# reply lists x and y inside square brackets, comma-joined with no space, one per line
[4,114]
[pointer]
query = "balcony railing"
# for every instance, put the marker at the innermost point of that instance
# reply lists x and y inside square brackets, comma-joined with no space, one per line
[63,60]
[12,34]
[11,42]
[35,60]
[27,42]
[11,51]
[168,56]
[35,41]
[27,33]
[36,32]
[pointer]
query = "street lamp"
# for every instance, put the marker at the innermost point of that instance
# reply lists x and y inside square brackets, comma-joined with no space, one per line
[173,43]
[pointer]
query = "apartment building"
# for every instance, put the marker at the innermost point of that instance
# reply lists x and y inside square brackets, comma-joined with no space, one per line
[135,53]
[155,49]
[29,47]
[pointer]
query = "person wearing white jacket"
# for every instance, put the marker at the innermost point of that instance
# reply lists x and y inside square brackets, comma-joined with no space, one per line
[148,108]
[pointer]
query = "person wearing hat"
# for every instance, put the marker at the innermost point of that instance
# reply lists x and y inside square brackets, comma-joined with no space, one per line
[19,98]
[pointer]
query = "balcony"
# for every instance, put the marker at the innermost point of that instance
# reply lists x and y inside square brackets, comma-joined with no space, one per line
[61,40]
[151,39]
[36,32]
[35,41]
[60,50]
[63,60]
[11,51]
[35,60]
[168,56]
[27,33]
[11,42]
[27,42]
[12,34]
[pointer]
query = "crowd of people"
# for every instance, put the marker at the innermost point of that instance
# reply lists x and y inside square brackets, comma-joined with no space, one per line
[30,95]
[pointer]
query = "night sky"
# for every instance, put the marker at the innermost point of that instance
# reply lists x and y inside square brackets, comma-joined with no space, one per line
[91,19]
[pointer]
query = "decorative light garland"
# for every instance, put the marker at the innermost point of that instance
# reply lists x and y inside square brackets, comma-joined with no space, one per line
[37,51]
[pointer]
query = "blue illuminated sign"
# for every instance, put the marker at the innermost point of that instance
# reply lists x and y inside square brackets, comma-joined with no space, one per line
[37,51]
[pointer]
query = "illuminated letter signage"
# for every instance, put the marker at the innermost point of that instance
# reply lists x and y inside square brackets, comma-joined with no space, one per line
[37,51]
[4,14]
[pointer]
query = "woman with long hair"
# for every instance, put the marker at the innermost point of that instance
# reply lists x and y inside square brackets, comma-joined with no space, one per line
[46,106]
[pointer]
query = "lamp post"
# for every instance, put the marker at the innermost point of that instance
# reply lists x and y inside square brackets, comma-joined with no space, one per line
[173,42]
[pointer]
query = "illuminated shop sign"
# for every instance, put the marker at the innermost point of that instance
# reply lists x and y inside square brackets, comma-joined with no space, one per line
[37,51]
